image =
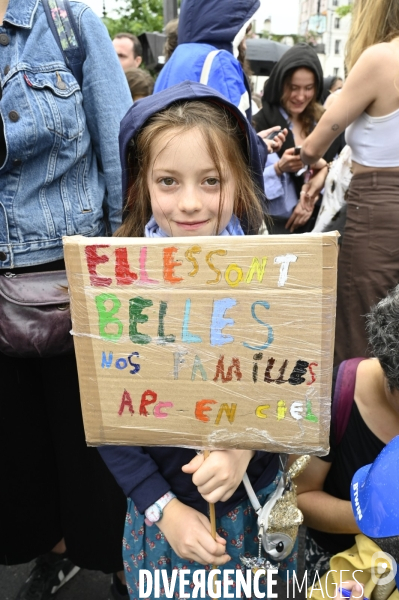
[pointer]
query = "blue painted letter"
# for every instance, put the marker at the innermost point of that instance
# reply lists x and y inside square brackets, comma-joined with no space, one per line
[270,336]
[219,321]
[186,336]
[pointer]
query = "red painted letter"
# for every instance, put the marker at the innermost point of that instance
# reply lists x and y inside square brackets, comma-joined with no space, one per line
[126,401]
[148,397]
[93,259]
[122,271]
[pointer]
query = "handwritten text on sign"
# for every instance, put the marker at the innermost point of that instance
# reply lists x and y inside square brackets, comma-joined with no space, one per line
[215,342]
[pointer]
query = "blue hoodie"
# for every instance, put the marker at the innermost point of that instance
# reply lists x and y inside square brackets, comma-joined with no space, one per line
[143,109]
[146,473]
[205,26]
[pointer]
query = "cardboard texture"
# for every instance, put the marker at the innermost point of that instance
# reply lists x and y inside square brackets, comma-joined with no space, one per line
[207,342]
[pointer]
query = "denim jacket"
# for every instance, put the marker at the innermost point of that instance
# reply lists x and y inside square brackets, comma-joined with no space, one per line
[62,173]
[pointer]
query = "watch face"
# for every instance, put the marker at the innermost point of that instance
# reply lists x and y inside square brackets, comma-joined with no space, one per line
[153,514]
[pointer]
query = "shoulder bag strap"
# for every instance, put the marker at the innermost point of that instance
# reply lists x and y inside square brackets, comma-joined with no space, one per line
[66,33]
[343,396]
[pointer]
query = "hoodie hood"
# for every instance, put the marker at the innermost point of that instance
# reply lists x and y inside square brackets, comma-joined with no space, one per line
[299,56]
[144,109]
[214,22]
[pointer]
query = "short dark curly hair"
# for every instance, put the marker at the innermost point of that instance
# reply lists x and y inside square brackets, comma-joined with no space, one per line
[383,334]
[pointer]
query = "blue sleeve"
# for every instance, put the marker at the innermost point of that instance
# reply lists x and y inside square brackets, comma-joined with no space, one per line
[274,185]
[136,473]
[106,99]
[263,151]
[227,77]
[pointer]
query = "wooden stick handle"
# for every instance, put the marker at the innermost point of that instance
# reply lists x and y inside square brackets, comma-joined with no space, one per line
[212,518]
[212,513]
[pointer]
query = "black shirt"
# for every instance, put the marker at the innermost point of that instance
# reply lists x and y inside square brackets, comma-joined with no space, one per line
[358,447]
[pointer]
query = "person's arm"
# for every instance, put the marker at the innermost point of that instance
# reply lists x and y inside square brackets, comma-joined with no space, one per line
[106,99]
[274,175]
[311,190]
[300,215]
[136,473]
[322,511]
[187,530]
[360,90]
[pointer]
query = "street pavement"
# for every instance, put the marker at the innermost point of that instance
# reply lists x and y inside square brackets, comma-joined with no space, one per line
[94,585]
[86,585]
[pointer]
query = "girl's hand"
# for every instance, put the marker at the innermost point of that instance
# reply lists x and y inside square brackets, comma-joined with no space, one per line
[308,196]
[300,215]
[275,144]
[354,587]
[189,533]
[311,191]
[218,477]
[290,162]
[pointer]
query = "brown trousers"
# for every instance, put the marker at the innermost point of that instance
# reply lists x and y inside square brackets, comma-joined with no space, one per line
[368,264]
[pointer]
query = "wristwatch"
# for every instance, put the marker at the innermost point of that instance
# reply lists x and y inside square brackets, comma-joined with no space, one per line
[154,513]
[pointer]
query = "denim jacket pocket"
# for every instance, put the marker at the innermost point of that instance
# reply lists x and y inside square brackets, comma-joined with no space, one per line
[60,101]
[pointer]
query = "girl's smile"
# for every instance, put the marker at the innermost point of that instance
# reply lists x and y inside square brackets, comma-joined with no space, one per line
[191,225]
[185,186]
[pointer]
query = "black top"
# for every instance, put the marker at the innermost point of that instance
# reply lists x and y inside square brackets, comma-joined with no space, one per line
[358,447]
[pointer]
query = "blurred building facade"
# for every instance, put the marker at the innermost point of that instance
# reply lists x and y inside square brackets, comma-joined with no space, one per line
[327,31]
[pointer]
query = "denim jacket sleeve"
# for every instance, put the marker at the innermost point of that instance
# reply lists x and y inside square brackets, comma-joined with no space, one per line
[106,99]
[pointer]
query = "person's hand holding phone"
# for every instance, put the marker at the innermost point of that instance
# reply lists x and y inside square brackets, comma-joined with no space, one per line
[290,162]
[274,138]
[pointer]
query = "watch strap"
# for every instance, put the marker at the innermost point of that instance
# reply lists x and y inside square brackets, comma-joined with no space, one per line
[158,505]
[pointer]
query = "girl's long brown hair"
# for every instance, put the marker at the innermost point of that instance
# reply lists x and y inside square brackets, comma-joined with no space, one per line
[226,144]
[312,113]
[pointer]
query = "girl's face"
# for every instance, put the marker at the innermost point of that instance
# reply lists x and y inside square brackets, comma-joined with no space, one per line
[184,186]
[299,92]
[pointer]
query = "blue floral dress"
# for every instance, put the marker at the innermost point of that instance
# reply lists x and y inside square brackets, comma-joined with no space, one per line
[146,547]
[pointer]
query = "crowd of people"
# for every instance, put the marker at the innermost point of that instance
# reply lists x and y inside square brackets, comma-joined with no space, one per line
[89,146]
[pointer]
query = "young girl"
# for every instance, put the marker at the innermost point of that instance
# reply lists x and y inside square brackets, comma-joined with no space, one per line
[191,167]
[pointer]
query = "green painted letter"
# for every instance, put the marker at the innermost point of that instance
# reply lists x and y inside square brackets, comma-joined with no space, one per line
[106,317]
[136,305]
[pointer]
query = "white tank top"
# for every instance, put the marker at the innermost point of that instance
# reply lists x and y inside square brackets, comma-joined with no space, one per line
[374,140]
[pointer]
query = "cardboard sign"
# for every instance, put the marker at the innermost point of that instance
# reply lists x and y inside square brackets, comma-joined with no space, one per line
[207,342]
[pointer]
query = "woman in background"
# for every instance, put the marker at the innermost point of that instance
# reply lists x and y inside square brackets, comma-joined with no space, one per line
[291,99]
[331,84]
